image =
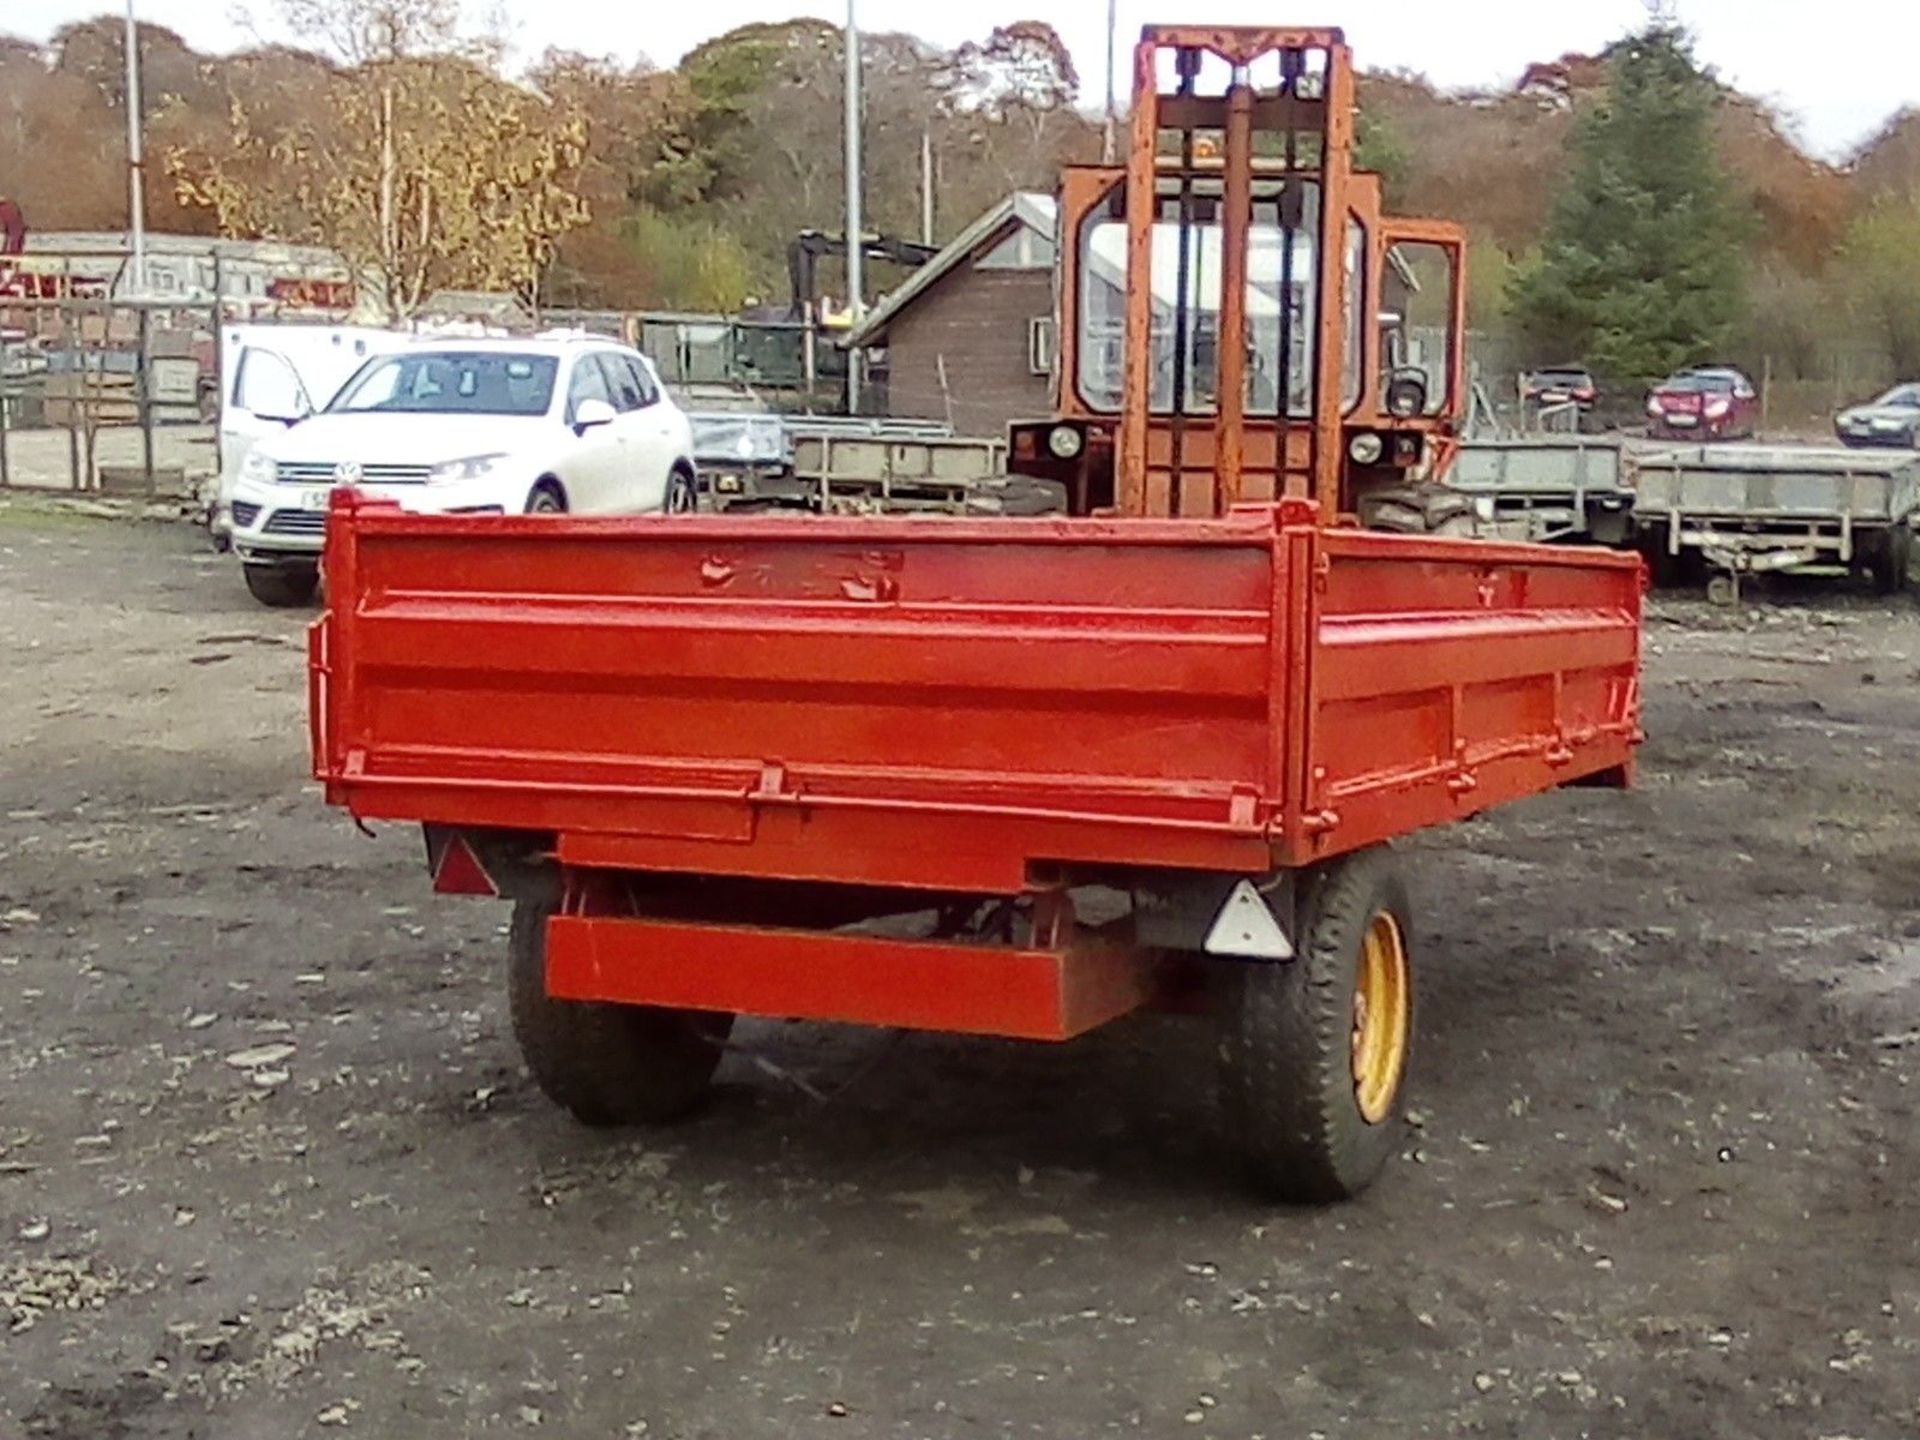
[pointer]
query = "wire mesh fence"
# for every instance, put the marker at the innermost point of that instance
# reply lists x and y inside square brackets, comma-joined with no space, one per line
[106,395]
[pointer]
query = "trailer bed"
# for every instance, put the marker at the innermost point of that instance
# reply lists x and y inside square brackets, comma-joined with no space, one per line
[945,703]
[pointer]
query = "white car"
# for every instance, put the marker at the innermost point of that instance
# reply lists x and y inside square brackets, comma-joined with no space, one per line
[469,427]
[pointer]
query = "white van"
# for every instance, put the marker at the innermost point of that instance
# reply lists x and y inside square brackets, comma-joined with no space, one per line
[271,373]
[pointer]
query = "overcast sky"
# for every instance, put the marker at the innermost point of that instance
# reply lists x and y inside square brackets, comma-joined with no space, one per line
[1839,68]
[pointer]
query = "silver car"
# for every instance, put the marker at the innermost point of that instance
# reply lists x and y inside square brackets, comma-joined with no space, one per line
[1893,419]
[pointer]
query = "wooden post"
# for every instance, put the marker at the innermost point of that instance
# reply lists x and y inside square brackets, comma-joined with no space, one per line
[143,394]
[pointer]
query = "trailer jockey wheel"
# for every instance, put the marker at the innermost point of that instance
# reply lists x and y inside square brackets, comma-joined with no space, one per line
[607,1064]
[1314,1050]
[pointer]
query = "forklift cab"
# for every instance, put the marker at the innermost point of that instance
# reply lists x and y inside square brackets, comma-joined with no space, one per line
[1238,319]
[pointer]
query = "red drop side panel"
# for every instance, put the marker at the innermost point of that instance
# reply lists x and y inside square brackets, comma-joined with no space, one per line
[949,703]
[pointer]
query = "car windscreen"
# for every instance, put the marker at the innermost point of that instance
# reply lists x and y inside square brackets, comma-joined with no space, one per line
[451,382]
[1901,397]
[1700,384]
[1563,377]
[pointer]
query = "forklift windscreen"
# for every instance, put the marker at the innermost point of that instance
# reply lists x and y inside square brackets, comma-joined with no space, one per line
[1188,316]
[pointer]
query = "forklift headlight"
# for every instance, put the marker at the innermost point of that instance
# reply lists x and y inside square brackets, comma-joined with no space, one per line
[1366,448]
[1407,394]
[1065,442]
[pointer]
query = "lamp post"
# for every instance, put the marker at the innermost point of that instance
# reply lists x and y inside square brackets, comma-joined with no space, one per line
[856,256]
[1110,132]
[136,188]
[856,226]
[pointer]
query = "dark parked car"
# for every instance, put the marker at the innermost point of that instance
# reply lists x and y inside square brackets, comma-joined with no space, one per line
[1893,419]
[1559,385]
[1707,402]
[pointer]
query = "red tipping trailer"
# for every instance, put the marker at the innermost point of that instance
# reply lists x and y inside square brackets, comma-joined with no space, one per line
[1145,754]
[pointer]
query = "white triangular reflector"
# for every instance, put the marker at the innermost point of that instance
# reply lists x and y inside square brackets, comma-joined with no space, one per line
[1246,927]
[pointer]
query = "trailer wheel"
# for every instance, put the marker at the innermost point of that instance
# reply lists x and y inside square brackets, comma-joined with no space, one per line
[1314,1049]
[607,1064]
[1892,560]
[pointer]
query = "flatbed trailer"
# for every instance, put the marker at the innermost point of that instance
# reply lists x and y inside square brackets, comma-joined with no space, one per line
[1555,488]
[1022,776]
[1759,509]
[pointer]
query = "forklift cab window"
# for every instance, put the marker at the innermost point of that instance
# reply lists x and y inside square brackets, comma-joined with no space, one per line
[1416,318]
[1186,318]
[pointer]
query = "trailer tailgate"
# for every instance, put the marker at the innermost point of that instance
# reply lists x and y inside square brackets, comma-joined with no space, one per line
[947,703]
[722,683]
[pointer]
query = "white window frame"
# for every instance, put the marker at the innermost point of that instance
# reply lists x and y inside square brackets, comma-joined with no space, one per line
[1042,344]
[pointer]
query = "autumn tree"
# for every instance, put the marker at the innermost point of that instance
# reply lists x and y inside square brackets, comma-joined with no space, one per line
[47,112]
[1889,163]
[1023,70]
[1021,82]
[419,165]
[1877,261]
[1640,270]
[648,246]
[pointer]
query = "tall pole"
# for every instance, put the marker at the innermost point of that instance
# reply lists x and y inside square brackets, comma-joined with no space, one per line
[856,226]
[1110,140]
[926,186]
[136,188]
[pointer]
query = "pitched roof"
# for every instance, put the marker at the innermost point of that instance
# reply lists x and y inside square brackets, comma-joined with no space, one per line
[1024,207]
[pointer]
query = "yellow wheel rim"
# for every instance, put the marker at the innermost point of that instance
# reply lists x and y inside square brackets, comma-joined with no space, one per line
[1381,1010]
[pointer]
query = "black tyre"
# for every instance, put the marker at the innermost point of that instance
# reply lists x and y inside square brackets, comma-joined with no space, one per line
[546,499]
[1417,510]
[682,494]
[283,586]
[1017,495]
[1314,1050]
[1665,569]
[607,1064]
[1892,561]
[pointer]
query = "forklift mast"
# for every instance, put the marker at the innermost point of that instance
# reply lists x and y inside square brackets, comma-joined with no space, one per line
[1238,321]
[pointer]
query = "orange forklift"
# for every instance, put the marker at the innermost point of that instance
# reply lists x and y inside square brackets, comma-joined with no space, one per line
[1023,776]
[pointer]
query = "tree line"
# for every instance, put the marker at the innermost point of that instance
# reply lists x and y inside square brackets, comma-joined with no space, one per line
[1627,209]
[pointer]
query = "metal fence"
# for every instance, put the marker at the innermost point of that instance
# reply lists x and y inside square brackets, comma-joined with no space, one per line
[107,395]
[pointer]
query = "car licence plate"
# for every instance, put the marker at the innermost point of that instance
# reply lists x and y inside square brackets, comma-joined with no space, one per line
[1683,420]
[316,499]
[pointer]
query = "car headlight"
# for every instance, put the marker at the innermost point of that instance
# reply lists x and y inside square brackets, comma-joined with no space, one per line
[258,466]
[1366,448]
[470,468]
[1065,442]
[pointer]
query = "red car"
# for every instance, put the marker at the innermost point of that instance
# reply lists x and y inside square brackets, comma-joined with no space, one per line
[1708,402]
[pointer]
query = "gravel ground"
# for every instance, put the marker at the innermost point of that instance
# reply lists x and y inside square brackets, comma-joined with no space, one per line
[268,1165]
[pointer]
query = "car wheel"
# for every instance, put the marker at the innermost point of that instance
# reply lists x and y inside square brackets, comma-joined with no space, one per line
[682,496]
[546,499]
[283,586]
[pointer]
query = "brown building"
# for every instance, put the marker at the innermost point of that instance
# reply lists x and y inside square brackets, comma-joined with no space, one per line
[968,338]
